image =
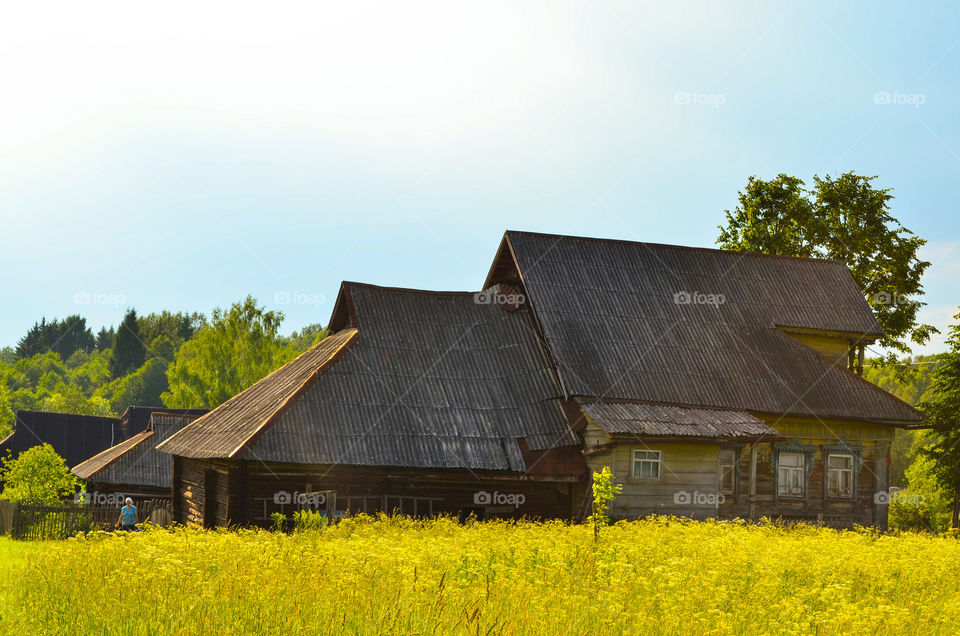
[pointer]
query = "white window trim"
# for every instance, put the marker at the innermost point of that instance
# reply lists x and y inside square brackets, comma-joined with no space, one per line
[801,469]
[849,470]
[733,472]
[634,462]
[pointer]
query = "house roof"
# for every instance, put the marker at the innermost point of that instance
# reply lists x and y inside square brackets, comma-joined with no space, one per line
[74,437]
[135,461]
[695,327]
[136,419]
[424,379]
[654,420]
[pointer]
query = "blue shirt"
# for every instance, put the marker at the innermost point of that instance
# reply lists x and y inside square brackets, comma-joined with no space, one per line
[129,515]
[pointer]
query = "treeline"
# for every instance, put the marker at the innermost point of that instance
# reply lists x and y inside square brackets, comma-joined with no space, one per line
[178,360]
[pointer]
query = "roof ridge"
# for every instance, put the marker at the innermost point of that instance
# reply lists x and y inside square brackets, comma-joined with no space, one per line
[711,250]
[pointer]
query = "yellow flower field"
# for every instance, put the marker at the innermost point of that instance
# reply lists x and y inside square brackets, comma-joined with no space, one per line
[399,576]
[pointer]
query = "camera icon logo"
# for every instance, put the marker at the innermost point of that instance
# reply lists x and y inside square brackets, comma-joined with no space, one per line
[482,498]
[282,497]
[681,497]
[482,298]
[683,298]
[881,498]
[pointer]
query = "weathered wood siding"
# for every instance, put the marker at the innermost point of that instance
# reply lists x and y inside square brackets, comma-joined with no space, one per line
[689,475]
[247,492]
[687,484]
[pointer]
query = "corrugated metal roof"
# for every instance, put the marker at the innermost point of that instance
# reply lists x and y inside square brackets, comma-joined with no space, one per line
[613,318]
[673,421]
[431,380]
[76,438]
[136,461]
[224,431]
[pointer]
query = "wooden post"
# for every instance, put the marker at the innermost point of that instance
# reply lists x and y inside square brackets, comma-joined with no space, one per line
[860,360]
[753,480]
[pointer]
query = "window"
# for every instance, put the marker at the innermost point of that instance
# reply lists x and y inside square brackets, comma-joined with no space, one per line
[791,475]
[646,464]
[726,471]
[839,475]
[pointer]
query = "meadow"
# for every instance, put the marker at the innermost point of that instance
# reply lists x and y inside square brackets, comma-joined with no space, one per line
[401,576]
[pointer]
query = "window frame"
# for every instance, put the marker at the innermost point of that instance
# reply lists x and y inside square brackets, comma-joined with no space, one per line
[792,470]
[637,461]
[734,465]
[850,470]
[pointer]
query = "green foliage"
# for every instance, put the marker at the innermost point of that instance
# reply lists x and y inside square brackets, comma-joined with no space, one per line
[61,337]
[105,338]
[308,521]
[307,337]
[909,379]
[236,349]
[604,492]
[7,355]
[177,327]
[38,475]
[128,349]
[924,504]
[279,521]
[143,387]
[942,408]
[844,219]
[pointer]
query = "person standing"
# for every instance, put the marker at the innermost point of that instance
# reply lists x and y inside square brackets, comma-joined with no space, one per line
[128,516]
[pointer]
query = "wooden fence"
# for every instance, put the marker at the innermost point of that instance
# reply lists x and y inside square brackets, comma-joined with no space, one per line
[28,521]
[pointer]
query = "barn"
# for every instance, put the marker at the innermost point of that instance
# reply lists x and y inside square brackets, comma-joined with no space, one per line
[134,467]
[713,383]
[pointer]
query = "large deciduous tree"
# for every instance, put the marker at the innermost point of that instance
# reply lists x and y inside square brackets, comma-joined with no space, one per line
[235,349]
[844,219]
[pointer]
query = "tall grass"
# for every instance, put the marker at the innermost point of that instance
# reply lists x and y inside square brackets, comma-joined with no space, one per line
[399,576]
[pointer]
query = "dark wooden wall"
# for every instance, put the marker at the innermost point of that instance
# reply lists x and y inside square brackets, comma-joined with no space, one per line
[247,491]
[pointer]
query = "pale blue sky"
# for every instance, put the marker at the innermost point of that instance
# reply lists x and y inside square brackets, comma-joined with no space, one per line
[180,158]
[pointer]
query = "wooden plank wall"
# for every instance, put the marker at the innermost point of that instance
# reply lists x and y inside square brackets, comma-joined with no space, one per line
[246,490]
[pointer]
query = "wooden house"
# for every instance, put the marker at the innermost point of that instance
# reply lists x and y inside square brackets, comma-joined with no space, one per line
[713,383]
[134,467]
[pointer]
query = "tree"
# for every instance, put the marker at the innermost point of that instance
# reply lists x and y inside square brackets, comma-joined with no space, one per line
[236,349]
[128,350]
[38,476]
[7,355]
[105,338]
[943,413]
[844,219]
[63,337]
[604,491]
[307,337]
